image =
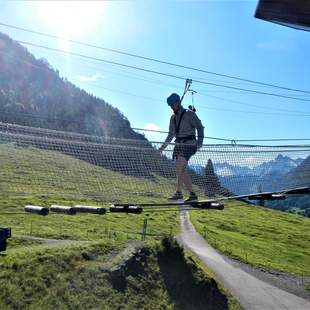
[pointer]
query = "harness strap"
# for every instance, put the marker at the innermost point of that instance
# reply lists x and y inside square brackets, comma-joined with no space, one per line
[177,125]
[185,139]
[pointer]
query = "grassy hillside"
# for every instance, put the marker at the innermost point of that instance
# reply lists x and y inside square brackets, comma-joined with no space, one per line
[91,277]
[256,235]
[33,93]
[259,236]
[82,275]
[38,177]
[34,171]
[31,176]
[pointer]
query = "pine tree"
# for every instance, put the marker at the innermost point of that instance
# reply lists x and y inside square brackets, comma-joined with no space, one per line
[213,183]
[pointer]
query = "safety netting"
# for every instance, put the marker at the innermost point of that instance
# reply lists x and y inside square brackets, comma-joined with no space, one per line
[36,161]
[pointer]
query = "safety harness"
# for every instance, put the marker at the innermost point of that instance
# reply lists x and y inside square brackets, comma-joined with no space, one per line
[177,129]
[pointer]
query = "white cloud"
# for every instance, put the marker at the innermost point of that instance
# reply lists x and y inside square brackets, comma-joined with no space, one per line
[224,172]
[153,135]
[92,78]
[272,46]
[150,126]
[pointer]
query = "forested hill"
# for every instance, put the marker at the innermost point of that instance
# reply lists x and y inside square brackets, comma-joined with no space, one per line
[33,93]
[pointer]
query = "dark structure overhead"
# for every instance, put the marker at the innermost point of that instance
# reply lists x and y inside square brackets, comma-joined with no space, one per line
[290,13]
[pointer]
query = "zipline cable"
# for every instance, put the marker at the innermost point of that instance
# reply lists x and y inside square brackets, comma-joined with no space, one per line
[155,60]
[300,113]
[158,72]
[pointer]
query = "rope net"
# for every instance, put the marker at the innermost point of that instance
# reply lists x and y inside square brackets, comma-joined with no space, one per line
[37,161]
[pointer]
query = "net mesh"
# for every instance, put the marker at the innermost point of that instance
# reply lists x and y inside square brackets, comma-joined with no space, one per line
[37,161]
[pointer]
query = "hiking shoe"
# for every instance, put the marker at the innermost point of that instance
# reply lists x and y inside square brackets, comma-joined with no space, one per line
[176,196]
[192,198]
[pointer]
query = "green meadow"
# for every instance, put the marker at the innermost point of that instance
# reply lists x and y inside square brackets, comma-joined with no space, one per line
[255,235]
[30,176]
[40,274]
[80,275]
[258,236]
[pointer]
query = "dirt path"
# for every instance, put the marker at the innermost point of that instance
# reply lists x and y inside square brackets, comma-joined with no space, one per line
[51,242]
[252,293]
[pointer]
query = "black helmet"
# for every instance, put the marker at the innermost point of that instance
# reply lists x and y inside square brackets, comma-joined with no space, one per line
[172,99]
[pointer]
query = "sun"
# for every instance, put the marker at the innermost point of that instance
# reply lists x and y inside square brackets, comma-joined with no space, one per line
[70,18]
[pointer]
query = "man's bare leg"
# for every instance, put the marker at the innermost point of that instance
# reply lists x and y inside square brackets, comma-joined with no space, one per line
[180,166]
[183,176]
[187,180]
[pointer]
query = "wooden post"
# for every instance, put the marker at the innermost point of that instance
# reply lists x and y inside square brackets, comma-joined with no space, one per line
[143,235]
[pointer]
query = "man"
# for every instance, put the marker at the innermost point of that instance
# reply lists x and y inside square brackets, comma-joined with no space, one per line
[183,126]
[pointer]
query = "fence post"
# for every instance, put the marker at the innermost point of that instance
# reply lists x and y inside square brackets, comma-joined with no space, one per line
[143,234]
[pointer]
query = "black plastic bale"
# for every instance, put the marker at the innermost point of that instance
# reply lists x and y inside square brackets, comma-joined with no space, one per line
[3,244]
[298,191]
[5,232]
[36,210]
[126,209]
[210,205]
[267,196]
[63,209]
[90,209]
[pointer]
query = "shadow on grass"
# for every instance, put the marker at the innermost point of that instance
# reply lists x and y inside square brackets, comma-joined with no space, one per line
[188,287]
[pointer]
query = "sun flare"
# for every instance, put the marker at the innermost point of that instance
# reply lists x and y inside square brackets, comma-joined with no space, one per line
[70,18]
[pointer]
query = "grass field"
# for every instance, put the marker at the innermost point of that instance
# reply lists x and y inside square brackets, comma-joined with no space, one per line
[87,277]
[78,276]
[38,177]
[258,236]
[255,235]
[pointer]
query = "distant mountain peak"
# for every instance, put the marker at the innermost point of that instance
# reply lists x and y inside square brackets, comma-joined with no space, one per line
[280,157]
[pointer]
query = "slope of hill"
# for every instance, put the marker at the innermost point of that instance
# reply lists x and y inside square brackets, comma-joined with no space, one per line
[40,177]
[33,93]
[297,177]
[102,276]
[90,274]
[258,236]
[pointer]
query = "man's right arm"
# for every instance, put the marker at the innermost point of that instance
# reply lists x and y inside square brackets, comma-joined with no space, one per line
[170,135]
[199,127]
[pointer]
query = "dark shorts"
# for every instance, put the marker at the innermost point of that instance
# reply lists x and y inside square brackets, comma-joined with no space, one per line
[184,150]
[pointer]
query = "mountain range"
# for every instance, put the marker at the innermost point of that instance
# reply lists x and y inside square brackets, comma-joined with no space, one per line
[280,166]
[272,175]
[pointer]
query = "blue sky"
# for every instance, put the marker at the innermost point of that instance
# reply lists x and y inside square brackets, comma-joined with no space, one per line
[218,36]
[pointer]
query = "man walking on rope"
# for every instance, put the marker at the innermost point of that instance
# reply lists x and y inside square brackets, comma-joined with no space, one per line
[183,126]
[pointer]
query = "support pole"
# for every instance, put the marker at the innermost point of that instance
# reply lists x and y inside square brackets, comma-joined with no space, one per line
[143,235]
